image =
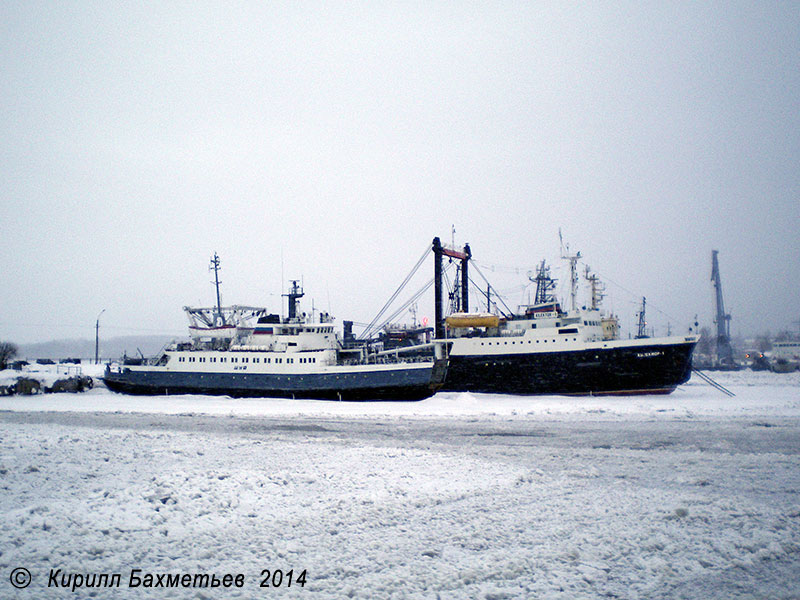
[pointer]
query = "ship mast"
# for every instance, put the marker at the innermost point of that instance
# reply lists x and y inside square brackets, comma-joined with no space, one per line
[215,266]
[573,261]
[544,284]
[642,320]
[597,288]
[294,295]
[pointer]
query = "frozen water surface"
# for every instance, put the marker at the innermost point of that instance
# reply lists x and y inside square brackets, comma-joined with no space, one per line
[692,495]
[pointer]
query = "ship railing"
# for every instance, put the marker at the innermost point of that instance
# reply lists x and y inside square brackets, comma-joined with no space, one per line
[387,360]
[404,349]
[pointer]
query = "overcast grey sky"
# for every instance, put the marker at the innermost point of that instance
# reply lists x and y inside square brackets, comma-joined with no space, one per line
[332,141]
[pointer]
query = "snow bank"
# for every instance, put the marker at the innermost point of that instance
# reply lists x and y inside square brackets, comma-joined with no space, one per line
[47,375]
[756,393]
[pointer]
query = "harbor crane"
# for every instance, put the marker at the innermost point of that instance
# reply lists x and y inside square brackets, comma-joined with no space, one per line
[724,357]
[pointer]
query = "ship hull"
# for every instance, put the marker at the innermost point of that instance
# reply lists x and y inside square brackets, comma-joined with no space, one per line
[406,384]
[617,370]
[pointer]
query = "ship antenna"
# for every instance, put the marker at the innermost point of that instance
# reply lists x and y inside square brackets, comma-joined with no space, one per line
[215,262]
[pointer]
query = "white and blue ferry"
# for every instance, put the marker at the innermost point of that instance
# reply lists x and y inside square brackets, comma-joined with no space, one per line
[244,351]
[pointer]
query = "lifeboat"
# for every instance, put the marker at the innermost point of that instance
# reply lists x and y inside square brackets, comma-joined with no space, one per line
[472,320]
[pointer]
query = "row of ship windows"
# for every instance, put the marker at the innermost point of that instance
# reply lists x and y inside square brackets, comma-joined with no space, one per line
[558,324]
[529,341]
[243,359]
[300,331]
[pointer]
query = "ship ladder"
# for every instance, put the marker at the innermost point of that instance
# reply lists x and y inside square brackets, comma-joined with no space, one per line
[713,383]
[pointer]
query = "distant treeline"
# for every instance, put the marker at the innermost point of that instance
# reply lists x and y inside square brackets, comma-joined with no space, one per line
[110,348]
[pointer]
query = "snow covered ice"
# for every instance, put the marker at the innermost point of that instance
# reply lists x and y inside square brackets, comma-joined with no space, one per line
[692,495]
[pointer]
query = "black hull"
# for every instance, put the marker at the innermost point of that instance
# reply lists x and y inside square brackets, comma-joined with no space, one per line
[656,369]
[395,385]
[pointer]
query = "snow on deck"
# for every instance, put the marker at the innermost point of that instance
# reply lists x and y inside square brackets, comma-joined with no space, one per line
[692,495]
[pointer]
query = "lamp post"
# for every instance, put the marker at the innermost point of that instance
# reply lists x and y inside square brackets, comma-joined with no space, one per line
[97,338]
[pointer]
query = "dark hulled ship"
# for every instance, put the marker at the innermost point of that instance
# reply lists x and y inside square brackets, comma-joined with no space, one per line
[544,349]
